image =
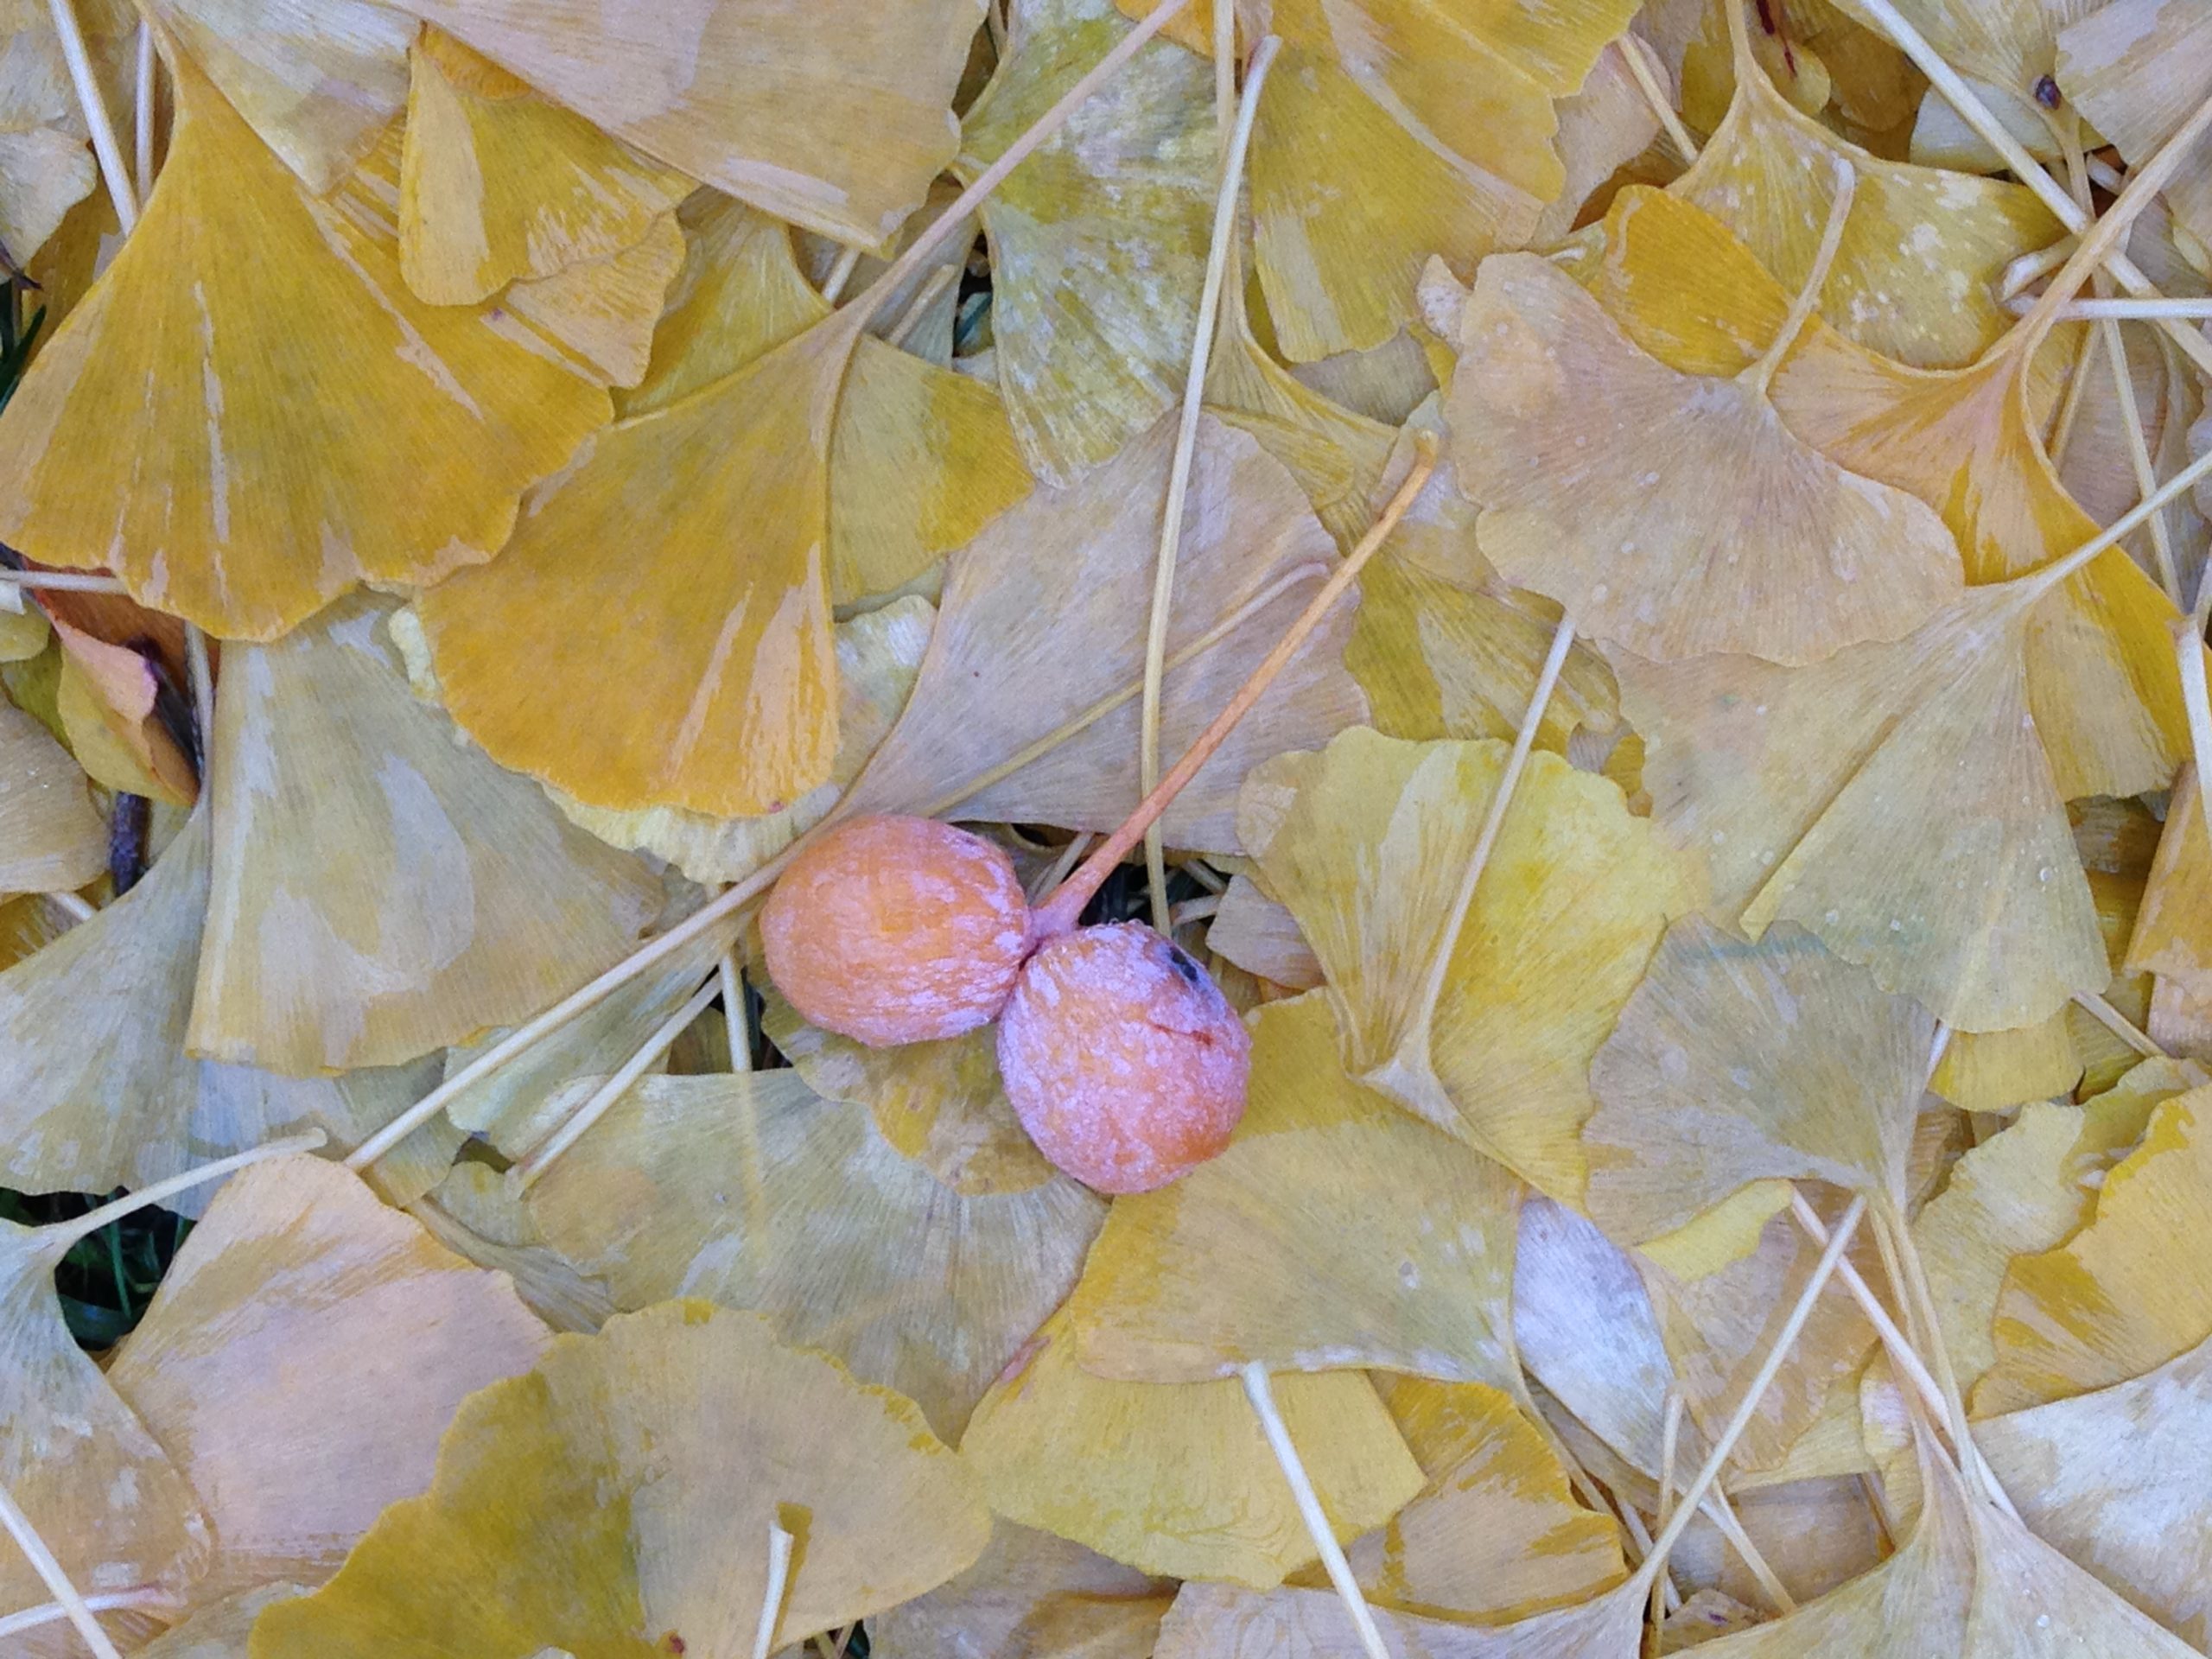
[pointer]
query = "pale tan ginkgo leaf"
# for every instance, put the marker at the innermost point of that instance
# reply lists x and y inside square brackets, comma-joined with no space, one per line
[244,410]
[497,184]
[103,1493]
[1218,1621]
[1025,707]
[1488,1035]
[1260,935]
[1032,1596]
[604,310]
[51,836]
[1738,1065]
[1807,795]
[1098,243]
[1673,514]
[1176,1478]
[474,1213]
[757,1192]
[1336,1230]
[220,1630]
[96,1089]
[317,79]
[2117,1479]
[297,1269]
[2173,930]
[835,120]
[623,1493]
[2136,68]
[380,890]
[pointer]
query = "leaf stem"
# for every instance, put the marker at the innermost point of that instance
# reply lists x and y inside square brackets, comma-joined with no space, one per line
[54,1576]
[1258,1390]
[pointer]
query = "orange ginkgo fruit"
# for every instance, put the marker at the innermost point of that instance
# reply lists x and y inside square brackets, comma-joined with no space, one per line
[891,928]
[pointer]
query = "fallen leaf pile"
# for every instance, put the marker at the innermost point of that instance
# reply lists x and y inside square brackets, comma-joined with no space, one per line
[1105,828]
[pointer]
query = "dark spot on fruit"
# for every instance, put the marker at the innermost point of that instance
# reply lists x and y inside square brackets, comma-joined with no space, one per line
[1189,970]
[2047,94]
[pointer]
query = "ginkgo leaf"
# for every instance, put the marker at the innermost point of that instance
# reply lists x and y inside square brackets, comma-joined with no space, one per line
[2012,44]
[298,1269]
[1671,513]
[1262,936]
[220,1630]
[2116,1299]
[2136,68]
[317,81]
[1603,127]
[1032,1596]
[108,700]
[878,655]
[835,120]
[1496,1536]
[622,1493]
[1737,1064]
[1098,243]
[1916,275]
[940,1103]
[1390,131]
[603,311]
[1336,1230]
[1216,1621]
[1026,708]
[96,1089]
[1586,1330]
[759,1193]
[2015,1194]
[2117,1479]
[242,413]
[1811,795]
[44,174]
[51,837]
[2100,663]
[720,638]
[474,1213]
[380,891]
[78,1462]
[1176,1478]
[497,184]
[2173,929]
[1368,843]
[1443,646]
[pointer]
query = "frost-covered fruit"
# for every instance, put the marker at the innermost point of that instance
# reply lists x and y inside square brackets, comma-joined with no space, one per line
[895,930]
[1123,1058]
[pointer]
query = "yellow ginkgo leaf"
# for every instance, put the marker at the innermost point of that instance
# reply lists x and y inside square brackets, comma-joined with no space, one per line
[1496,1536]
[1337,1230]
[1735,1064]
[318,80]
[1488,1035]
[759,1193]
[878,654]
[1443,646]
[1392,130]
[604,310]
[497,184]
[1026,708]
[2116,1299]
[1031,1595]
[718,631]
[2012,44]
[101,1491]
[837,120]
[51,837]
[1098,243]
[380,890]
[1176,1478]
[298,1268]
[241,412]
[2117,1479]
[1671,513]
[96,1089]
[107,700]
[2015,1194]
[1894,800]
[1916,275]
[940,1103]
[2173,929]
[1996,1071]
[623,1493]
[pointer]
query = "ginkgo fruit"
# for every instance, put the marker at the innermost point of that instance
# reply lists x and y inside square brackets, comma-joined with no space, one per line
[892,929]
[1123,1058]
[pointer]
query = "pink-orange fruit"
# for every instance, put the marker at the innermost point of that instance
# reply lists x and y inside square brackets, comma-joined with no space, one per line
[1123,1060]
[896,930]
